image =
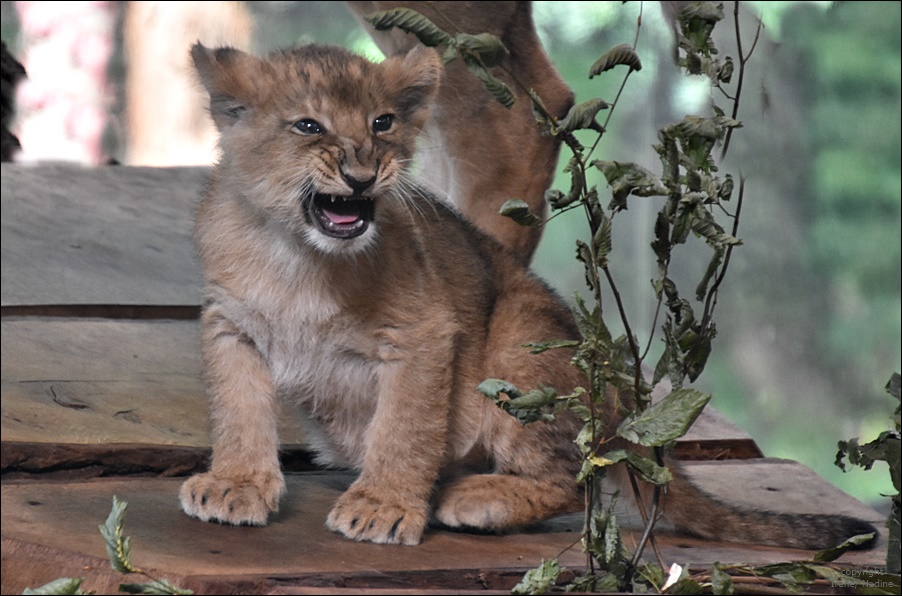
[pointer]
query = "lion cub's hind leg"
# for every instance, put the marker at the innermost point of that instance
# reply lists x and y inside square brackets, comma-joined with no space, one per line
[499,501]
[533,479]
[535,465]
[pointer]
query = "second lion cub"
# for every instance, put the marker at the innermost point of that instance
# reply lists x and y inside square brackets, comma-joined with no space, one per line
[334,281]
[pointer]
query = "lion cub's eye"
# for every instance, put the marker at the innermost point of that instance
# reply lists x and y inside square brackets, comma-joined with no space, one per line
[309,127]
[383,123]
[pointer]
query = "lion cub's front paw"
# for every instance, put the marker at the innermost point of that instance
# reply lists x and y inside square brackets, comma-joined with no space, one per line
[375,516]
[245,501]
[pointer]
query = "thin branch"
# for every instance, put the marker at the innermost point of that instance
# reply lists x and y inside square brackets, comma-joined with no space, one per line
[634,348]
[743,59]
[712,293]
[649,524]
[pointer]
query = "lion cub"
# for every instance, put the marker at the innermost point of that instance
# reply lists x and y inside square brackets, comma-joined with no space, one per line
[334,281]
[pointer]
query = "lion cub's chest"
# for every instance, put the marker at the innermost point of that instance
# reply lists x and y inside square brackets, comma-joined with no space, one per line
[321,354]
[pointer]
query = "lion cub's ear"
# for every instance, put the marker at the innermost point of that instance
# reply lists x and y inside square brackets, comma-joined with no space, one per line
[227,74]
[415,77]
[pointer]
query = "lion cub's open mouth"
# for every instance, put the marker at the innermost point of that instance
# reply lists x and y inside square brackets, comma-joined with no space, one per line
[341,217]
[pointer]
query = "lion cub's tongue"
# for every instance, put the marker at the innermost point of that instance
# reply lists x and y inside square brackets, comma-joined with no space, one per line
[341,218]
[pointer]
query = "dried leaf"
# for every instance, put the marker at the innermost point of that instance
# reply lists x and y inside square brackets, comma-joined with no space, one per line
[518,210]
[582,116]
[622,54]
[487,47]
[411,21]
[499,90]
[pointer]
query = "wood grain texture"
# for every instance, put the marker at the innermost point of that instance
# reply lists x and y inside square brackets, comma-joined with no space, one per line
[111,235]
[295,549]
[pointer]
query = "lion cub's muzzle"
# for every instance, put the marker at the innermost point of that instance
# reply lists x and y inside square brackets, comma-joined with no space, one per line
[340,216]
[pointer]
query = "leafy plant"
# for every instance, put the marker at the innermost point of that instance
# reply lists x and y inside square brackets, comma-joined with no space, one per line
[886,447]
[118,548]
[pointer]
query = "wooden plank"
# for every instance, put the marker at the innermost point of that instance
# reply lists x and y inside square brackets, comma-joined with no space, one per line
[131,382]
[711,436]
[94,381]
[296,548]
[771,484]
[122,390]
[110,235]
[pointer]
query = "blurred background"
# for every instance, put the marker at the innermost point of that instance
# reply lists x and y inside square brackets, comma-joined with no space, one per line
[809,317]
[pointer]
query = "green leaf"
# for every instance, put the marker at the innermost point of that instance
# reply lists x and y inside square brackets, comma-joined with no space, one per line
[661,244]
[493,388]
[613,542]
[558,200]
[532,406]
[157,587]
[726,70]
[582,116]
[894,387]
[698,352]
[499,90]
[705,11]
[831,554]
[665,421]
[605,541]
[701,127]
[539,580]
[704,225]
[647,468]
[603,241]
[518,210]
[539,110]
[721,582]
[622,54]
[64,585]
[725,190]
[626,178]
[653,578]
[411,21]
[789,574]
[117,546]
[701,290]
[486,47]
[584,255]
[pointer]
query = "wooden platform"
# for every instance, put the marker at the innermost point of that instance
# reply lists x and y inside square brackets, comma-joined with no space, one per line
[101,396]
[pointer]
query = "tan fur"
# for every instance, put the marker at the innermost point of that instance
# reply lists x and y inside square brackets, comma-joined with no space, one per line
[479,153]
[382,334]
[382,338]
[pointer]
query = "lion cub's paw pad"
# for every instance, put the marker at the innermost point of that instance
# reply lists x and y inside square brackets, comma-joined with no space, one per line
[210,498]
[360,517]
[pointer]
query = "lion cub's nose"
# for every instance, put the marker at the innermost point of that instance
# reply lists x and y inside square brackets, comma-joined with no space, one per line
[358,186]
